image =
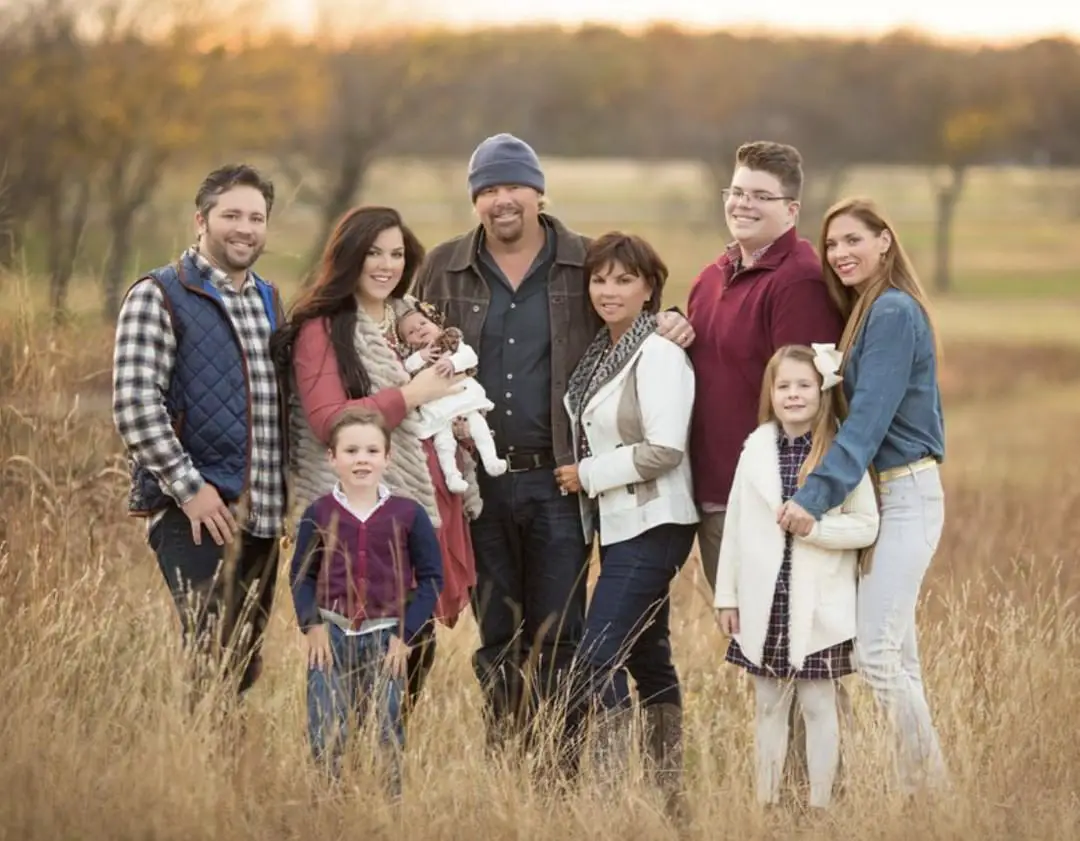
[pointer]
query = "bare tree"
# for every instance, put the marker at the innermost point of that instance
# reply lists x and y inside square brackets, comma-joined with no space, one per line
[155,87]
[378,81]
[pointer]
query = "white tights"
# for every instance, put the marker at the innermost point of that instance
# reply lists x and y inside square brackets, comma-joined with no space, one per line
[446,446]
[818,701]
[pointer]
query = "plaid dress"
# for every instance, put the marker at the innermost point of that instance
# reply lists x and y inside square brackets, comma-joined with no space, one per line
[830,663]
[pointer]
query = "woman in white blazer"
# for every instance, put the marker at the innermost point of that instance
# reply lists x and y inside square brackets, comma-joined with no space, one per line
[629,402]
[789,602]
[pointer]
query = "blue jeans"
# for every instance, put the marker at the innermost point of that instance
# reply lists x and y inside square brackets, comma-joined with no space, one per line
[627,628]
[357,684]
[529,599]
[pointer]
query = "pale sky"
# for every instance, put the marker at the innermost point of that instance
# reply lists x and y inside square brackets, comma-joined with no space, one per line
[1008,20]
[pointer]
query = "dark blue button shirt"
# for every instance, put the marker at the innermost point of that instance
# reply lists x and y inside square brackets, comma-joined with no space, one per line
[515,353]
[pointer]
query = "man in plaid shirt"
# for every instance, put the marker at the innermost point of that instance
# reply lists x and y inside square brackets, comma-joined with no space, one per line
[197,404]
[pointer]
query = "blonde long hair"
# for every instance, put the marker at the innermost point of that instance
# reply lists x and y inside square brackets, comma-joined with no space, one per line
[831,410]
[830,414]
[896,272]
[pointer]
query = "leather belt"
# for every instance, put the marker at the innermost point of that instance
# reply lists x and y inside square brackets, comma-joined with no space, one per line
[522,462]
[907,469]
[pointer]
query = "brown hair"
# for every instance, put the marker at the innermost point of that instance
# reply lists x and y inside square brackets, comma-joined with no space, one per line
[635,255]
[227,177]
[896,272]
[333,294]
[356,417]
[779,159]
[831,411]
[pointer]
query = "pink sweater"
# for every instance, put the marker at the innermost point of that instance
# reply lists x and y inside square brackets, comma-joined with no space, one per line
[319,386]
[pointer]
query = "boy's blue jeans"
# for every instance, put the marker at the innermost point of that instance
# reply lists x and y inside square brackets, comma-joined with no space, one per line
[356,684]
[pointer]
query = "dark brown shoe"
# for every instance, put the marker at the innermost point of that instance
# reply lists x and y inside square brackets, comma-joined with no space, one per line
[664,756]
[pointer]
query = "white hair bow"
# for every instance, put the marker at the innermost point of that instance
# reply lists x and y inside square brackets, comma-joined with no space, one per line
[827,360]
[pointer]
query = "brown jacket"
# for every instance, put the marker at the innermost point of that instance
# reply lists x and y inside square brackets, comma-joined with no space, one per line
[450,280]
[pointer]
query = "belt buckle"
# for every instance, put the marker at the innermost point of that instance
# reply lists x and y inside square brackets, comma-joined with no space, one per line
[512,457]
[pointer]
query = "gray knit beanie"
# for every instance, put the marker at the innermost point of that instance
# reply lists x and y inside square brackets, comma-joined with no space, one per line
[504,159]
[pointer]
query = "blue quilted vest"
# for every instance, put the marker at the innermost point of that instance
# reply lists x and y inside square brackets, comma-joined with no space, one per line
[207,398]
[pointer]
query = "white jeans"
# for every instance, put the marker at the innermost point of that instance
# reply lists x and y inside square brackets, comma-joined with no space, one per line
[817,698]
[912,518]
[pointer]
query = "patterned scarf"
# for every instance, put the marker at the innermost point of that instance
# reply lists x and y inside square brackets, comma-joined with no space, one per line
[601,361]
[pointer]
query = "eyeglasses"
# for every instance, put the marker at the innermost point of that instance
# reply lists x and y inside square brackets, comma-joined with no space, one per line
[754,197]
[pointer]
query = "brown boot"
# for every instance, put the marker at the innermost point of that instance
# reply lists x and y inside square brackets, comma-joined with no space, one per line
[610,746]
[664,755]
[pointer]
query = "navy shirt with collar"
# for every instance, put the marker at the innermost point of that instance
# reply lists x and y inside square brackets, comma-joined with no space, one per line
[515,353]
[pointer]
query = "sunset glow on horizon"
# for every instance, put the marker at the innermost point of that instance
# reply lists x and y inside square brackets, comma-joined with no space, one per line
[951,20]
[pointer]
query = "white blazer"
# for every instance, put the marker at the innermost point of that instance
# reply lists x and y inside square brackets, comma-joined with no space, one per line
[638,425]
[823,565]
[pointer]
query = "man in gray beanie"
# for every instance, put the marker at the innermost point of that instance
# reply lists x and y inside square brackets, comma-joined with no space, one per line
[504,159]
[514,285]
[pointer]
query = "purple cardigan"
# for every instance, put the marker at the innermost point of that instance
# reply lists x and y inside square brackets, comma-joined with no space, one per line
[390,565]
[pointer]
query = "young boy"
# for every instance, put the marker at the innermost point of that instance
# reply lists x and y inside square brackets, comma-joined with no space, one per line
[366,574]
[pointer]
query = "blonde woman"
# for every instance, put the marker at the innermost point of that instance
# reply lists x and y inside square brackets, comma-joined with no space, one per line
[895,427]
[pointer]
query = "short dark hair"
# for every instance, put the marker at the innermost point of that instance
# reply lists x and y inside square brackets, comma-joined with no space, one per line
[226,177]
[635,255]
[357,417]
[779,159]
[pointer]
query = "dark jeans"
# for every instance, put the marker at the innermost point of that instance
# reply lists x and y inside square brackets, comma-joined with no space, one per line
[421,660]
[223,608]
[529,599]
[627,628]
[355,686]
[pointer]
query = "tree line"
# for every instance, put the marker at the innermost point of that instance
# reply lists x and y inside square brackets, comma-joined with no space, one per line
[102,98]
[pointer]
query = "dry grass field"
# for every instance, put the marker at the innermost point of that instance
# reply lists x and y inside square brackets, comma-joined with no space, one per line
[94,743]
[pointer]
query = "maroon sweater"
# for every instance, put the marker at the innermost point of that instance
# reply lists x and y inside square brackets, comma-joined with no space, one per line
[740,319]
[389,565]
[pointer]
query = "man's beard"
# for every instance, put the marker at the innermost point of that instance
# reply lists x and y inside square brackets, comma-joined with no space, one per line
[218,253]
[512,233]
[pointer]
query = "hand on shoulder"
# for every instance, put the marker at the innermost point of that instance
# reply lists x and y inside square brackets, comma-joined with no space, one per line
[674,326]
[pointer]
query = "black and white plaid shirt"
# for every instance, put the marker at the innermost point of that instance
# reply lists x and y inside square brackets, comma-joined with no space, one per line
[143,362]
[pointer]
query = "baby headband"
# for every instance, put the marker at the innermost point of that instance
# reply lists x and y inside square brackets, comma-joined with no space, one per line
[424,308]
[827,361]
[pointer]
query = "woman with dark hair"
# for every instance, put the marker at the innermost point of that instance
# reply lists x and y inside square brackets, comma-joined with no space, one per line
[339,350]
[629,401]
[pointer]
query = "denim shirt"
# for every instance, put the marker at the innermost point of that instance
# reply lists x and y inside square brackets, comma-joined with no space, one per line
[895,413]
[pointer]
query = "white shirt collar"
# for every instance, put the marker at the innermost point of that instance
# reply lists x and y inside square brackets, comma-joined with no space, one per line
[382,494]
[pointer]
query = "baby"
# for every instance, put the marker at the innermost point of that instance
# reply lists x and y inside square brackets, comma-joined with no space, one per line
[433,345]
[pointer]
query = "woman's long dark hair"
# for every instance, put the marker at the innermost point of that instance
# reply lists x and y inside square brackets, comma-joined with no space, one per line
[332,295]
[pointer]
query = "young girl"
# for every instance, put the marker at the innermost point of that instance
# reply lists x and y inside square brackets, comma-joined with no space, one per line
[789,603]
[366,574]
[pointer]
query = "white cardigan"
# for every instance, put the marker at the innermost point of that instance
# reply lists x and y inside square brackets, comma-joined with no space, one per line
[823,565]
[637,425]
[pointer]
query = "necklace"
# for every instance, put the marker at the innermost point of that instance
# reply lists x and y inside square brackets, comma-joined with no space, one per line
[387,320]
